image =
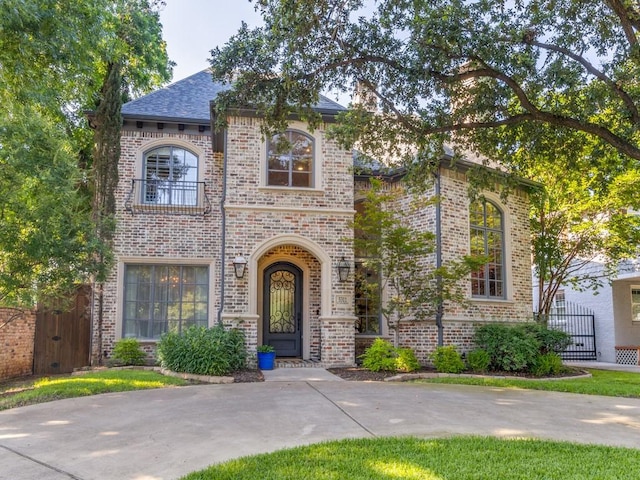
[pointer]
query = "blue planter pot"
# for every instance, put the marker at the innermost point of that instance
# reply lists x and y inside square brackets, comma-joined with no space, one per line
[266,360]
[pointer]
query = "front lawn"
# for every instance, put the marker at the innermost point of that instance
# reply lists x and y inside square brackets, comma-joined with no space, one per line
[602,382]
[457,458]
[20,393]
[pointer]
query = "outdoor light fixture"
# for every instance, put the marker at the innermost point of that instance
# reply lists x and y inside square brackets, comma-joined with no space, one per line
[343,270]
[240,265]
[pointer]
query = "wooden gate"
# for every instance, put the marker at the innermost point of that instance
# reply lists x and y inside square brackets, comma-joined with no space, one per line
[63,335]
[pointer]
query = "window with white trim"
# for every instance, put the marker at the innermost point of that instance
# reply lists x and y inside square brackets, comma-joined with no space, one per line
[164,298]
[170,176]
[290,159]
[487,239]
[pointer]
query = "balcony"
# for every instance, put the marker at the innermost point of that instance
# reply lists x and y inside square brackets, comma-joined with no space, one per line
[167,197]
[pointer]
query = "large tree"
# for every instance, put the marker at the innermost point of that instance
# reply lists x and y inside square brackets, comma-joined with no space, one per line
[55,58]
[443,66]
[548,88]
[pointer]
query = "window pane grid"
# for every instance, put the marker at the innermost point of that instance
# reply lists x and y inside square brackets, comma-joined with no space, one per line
[294,166]
[161,298]
[487,239]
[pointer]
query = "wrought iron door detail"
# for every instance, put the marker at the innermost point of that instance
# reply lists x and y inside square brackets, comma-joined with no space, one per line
[282,295]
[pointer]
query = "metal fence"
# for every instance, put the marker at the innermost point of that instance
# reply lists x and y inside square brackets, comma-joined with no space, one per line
[579,323]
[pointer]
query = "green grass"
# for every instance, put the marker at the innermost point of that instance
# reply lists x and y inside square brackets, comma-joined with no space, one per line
[602,382]
[56,388]
[457,458]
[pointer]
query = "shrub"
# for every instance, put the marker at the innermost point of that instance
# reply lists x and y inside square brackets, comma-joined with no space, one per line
[478,360]
[127,351]
[203,351]
[381,355]
[547,364]
[406,360]
[551,341]
[447,360]
[510,348]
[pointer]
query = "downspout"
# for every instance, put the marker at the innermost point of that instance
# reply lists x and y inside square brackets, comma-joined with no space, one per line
[439,299]
[224,225]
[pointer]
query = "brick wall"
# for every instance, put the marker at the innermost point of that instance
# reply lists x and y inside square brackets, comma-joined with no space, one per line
[16,342]
[159,238]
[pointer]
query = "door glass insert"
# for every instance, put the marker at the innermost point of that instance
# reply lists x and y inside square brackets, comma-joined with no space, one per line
[282,289]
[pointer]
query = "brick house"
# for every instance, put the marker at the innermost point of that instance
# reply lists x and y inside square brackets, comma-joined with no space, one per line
[222,228]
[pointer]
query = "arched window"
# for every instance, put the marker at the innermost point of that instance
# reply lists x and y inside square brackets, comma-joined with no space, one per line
[170,177]
[290,157]
[487,239]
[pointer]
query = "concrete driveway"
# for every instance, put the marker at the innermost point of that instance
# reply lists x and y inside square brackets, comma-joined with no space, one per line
[163,434]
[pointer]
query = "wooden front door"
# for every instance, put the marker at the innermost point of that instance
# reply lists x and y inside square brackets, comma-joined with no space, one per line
[282,309]
[63,335]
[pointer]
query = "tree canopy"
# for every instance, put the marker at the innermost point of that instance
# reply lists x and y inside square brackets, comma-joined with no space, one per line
[443,67]
[547,88]
[55,57]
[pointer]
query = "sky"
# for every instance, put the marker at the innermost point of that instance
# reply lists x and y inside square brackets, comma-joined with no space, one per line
[192,28]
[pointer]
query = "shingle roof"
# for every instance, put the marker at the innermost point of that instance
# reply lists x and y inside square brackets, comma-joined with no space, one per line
[188,101]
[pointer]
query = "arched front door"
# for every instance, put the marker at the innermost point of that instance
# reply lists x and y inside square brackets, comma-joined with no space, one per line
[282,309]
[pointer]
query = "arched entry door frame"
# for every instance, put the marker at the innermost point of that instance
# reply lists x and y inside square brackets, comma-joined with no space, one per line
[256,268]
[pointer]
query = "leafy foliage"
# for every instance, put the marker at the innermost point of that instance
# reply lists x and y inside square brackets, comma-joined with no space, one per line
[446,359]
[547,364]
[387,243]
[406,360]
[519,347]
[440,68]
[54,61]
[546,89]
[550,340]
[383,356]
[265,349]
[509,347]
[203,351]
[478,360]
[127,351]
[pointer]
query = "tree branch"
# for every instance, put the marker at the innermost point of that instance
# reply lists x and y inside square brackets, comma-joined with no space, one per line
[623,95]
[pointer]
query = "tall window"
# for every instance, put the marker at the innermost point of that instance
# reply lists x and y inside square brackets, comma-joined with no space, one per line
[487,239]
[635,303]
[161,298]
[368,286]
[290,158]
[367,300]
[170,177]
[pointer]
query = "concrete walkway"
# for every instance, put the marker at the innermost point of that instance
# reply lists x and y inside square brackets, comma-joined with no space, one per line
[166,433]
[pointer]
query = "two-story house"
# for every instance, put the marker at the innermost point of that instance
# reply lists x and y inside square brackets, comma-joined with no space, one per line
[225,227]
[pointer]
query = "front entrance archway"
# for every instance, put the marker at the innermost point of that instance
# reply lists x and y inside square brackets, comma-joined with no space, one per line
[282,309]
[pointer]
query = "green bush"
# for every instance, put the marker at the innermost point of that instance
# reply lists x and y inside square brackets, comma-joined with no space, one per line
[551,341]
[406,360]
[381,355]
[447,360]
[510,348]
[127,351]
[547,364]
[203,351]
[478,360]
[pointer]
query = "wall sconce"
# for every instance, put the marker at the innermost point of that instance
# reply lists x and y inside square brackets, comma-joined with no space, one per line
[240,265]
[343,270]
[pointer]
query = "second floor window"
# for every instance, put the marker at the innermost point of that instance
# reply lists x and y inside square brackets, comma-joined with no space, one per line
[290,158]
[170,177]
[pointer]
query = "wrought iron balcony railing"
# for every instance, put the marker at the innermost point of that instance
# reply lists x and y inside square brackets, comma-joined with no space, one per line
[167,197]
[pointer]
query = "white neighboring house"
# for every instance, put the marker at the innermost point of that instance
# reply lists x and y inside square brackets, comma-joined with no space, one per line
[616,309]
